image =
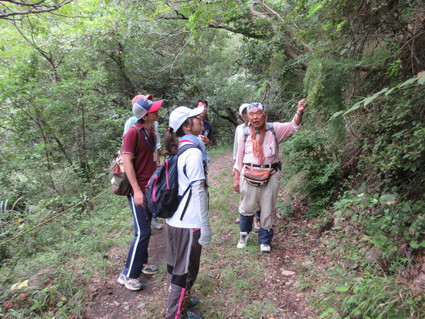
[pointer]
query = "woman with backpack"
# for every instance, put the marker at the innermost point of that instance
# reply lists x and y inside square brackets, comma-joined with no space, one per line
[186,234]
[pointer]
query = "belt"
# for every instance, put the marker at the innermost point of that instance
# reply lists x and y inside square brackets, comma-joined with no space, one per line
[274,165]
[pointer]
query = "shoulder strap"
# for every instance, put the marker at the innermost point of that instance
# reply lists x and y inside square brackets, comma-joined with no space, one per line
[269,128]
[138,139]
[185,147]
[189,188]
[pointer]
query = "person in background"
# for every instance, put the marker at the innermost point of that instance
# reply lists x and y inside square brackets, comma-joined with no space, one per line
[257,167]
[239,132]
[139,164]
[130,121]
[186,234]
[206,135]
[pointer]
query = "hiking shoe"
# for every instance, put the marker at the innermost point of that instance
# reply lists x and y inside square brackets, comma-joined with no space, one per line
[193,315]
[243,240]
[265,248]
[156,223]
[149,269]
[193,302]
[130,283]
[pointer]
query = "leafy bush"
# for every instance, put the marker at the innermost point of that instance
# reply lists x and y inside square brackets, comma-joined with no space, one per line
[370,296]
[387,220]
[394,143]
[306,154]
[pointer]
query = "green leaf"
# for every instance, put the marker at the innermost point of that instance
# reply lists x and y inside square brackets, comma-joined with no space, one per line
[371,98]
[408,82]
[340,25]
[342,288]
[389,91]
[327,312]
[415,244]
[388,199]
[335,115]
[353,108]
[314,9]
[327,26]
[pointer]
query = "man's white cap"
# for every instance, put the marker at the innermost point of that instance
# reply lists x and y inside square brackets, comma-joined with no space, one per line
[181,114]
[243,107]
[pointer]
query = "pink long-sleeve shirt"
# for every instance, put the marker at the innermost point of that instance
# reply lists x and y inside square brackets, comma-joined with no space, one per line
[270,147]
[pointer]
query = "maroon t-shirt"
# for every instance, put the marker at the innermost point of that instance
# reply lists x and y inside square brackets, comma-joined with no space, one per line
[144,165]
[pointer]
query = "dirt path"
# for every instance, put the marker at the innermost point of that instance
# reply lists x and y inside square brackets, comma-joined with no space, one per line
[290,250]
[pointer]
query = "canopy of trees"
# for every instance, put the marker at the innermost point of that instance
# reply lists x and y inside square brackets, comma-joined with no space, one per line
[69,69]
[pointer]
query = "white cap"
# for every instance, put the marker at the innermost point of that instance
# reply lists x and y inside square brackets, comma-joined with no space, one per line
[181,114]
[243,107]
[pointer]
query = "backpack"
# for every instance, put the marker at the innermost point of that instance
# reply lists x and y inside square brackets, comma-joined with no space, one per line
[118,180]
[163,187]
[269,128]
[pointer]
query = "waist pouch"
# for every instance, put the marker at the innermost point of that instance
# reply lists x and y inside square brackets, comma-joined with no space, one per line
[257,176]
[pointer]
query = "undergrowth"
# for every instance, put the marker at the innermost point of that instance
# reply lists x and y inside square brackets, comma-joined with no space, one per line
[44,273]
[376,250]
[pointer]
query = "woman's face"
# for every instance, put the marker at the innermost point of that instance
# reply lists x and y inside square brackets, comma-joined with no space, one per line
[197,125]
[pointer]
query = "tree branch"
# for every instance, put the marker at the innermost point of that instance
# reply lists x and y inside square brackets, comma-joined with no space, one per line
[11,9]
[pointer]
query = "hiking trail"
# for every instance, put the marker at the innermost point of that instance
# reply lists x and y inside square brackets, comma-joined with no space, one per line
[291,249]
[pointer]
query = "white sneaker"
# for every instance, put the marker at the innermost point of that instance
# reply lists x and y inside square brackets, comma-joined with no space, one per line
[265,248]
[243,240]
[130,283]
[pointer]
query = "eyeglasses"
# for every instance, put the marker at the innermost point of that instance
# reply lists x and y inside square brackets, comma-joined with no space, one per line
[258,113]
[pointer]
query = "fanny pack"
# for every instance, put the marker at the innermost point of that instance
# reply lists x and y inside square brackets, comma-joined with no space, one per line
[259,175]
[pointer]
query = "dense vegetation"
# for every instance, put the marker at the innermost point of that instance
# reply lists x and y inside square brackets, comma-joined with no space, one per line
[70,69]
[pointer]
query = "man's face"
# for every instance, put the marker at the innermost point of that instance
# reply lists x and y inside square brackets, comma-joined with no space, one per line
[152,117]
[257,118]
[204,113]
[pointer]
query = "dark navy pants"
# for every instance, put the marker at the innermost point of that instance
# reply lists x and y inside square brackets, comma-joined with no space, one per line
[138,253]
[264,236]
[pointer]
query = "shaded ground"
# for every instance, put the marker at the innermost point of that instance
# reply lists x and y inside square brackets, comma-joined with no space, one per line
[279,283]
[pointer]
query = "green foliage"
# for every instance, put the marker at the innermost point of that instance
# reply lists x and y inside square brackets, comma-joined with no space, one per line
[358,287]
[67,81]
[309,168]
[395,143]
[325,83]
[371,297]
[386,219]
[62,260]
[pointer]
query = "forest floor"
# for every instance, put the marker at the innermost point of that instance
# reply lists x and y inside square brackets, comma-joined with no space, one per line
[276,285]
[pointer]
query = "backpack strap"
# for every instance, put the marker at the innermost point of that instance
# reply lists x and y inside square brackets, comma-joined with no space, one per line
[189,188]
[268,128]
[138,140]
